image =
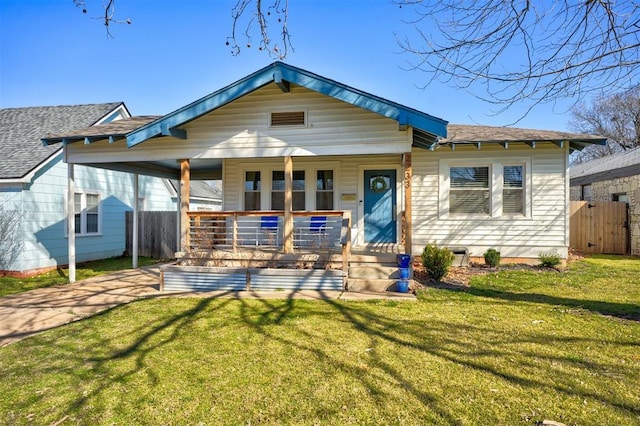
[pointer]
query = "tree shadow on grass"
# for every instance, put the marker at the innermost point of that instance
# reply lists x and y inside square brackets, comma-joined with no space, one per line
[277,321]
[627,311]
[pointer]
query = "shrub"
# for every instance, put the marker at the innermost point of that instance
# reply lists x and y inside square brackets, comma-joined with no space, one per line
[492,257]
[549,260]
[437,261]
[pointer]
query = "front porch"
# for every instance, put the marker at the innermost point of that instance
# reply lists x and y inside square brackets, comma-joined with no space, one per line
[254,251]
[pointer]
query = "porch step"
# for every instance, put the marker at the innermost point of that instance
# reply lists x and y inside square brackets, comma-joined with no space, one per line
[369,284]
[373,271]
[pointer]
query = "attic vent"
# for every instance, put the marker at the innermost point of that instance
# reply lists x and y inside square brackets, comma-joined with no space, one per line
[289,118]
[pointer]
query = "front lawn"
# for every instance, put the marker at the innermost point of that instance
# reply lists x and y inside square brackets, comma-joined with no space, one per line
[516,347]
[11,285]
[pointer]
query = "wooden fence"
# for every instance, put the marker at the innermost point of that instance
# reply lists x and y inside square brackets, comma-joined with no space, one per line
[599,227]
[157,234]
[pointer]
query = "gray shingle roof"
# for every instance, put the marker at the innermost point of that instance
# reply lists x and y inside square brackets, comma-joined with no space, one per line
[21,130]
[115,128]
[626,163]
[460,133]
[200,189]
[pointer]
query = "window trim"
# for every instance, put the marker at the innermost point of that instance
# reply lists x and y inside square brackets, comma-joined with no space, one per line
[83,214]
[315,187]
[242,192]
[309,168]
[303,191]
[496,187]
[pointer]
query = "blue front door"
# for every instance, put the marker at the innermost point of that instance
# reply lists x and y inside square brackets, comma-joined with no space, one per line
[379,206]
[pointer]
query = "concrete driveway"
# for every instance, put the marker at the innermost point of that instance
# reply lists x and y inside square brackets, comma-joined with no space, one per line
[31,312]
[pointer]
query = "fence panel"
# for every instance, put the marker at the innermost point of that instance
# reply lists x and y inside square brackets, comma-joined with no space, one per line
[599,227]
[157,234]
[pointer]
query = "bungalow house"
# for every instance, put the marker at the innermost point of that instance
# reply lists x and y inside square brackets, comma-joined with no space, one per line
[612,178]
[309,165]
[33,191]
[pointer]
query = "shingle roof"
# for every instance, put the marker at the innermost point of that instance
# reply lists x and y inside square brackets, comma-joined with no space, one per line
[115,128]
[21,130]
[200,189]
[460,133]
[626,163]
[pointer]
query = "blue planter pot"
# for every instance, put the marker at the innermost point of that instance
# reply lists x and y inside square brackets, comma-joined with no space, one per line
[404,260]
[404,273]
[402,286]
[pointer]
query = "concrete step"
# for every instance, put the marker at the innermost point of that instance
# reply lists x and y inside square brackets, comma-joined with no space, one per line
[369,284]
[373,271]
[384,258]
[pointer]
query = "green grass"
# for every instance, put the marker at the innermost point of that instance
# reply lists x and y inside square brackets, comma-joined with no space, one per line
[10,285]
[517,348]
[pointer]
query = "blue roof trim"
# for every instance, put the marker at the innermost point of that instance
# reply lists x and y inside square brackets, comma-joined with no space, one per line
[277,72]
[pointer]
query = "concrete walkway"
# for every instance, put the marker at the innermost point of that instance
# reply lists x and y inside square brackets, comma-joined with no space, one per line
[28,313]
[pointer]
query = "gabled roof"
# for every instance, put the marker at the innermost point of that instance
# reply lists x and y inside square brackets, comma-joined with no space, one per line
[471,134]
[21,130]
[284,75]
[199,189]
[626,163]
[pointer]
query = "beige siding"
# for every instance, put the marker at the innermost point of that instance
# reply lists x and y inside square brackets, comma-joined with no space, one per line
[348,179]
[541,230]
[241,130]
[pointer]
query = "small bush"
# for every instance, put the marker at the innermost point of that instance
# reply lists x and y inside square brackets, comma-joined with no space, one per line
[549,260]
[492,257]
[437,261]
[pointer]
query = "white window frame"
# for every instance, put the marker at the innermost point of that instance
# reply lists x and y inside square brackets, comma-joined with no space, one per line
[496,186]
[305,191]
[83,214]
[314,187]
[310,170]
[243,178]
[524,189]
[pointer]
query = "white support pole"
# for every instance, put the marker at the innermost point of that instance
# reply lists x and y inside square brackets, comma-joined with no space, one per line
[136,209]
[178,233]
[71,222]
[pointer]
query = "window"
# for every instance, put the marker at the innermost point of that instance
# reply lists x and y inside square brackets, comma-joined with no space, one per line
[277,190]
[252,191]
[485,188]
[586,193]
[513,190]
[324,190]
[469,190]
[623,198]
[87,213]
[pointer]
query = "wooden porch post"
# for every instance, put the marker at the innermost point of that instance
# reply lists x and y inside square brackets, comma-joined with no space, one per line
[288,204]
[408,174]
[185,182]
[71,222]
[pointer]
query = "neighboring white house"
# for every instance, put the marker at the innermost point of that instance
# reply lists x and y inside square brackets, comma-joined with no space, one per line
[33,185]
[406,176]
[612,178]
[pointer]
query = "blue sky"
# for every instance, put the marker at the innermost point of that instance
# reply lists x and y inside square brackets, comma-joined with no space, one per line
[174,53]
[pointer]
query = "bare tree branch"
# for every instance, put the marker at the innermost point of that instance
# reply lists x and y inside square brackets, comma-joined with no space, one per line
[520,51]
[617,117]
[108,18]
[246,13]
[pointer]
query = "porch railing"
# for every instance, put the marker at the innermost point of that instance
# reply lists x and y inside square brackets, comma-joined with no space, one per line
[312,230]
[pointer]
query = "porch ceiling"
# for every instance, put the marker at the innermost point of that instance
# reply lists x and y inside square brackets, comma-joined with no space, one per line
[201,169]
